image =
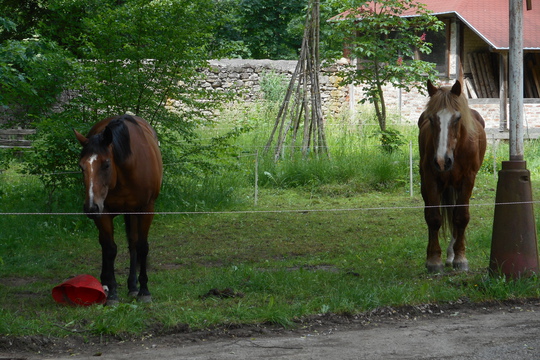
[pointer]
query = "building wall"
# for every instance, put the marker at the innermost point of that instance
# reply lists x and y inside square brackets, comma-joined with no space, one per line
[471,43]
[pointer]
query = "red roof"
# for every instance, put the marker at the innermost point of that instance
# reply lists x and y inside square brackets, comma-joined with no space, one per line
[490,20]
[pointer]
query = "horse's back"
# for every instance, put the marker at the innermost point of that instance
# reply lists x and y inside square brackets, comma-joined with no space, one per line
[142,172]
[146,154]
[476,115]
[481,135]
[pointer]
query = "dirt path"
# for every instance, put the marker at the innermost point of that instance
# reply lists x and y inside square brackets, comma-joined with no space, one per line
[507,331]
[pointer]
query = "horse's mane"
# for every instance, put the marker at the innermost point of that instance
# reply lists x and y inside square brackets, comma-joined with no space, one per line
[119,133]
[445,99]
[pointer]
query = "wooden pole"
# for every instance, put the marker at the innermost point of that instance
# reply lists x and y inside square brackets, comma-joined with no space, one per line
[503,92]
[303,103]
[515,86]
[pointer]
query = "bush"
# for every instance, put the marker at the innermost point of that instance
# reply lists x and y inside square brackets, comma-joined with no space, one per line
[390,139]
[273,86]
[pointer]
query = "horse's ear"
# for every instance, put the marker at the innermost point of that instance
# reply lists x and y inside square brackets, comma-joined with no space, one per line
[431,88]
[456,89]
[80,137]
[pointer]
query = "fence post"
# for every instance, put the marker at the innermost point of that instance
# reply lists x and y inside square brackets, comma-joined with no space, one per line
[494,146]
[256,195]
[410,168]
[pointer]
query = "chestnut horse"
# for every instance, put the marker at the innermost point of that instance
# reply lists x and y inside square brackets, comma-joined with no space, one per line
[452,144]
[122,170]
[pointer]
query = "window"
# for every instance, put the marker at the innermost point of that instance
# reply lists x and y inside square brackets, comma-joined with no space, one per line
[439,49]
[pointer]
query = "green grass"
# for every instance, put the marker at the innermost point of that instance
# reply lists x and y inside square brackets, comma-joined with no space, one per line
[340,235]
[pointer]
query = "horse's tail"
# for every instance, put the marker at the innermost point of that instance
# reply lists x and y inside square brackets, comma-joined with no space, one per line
[448,202]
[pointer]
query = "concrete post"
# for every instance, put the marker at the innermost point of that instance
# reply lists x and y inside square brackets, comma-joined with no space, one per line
[514,249]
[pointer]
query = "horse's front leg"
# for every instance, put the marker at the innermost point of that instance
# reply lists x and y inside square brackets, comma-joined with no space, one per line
[108,256]
[433,217]
[461,219]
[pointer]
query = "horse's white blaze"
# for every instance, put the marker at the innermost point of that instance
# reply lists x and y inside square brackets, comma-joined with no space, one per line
[91,159]
[445,117]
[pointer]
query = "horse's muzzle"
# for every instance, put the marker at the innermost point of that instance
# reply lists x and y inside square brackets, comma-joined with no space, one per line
[93,211]
[444,164]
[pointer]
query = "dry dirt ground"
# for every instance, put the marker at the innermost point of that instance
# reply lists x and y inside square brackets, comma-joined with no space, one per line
[509,330]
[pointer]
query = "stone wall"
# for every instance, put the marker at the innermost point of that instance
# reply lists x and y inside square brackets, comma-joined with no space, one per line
[243,77]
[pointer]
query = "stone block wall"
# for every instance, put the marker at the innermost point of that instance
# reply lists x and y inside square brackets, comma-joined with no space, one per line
[244,76]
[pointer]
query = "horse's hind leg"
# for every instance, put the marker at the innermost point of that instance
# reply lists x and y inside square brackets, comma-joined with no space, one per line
[108,256]
[142,252]
[137,227]
[131,223]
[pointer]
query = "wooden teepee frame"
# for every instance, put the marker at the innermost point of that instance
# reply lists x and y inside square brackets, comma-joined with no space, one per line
[302,103]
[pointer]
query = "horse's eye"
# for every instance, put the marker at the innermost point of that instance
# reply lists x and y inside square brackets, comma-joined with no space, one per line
[106,164]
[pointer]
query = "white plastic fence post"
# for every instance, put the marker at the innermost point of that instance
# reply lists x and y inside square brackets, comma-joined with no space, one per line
[256,177]
[411,168]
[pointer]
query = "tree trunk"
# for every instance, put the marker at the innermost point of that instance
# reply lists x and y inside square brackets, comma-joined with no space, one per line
[380,109]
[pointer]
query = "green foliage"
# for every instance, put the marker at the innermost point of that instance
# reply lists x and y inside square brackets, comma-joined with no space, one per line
[228,41]
[132,57]
[384,45]
[140,63]
[6,25]
[273,86]
[64,21]
[391,139]
[270,28]
[267,29]
[20,15]
[34,71]
[54,154]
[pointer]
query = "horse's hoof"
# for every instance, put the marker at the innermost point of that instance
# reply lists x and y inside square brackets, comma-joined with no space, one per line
[461,265]
[145,299]
[434,268]
[112,302]
[133,294]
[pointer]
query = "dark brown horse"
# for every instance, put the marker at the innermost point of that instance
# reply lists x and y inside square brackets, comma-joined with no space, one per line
[452,144]
[122,169]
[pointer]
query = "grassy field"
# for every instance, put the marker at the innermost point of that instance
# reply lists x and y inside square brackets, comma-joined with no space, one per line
[325,236]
